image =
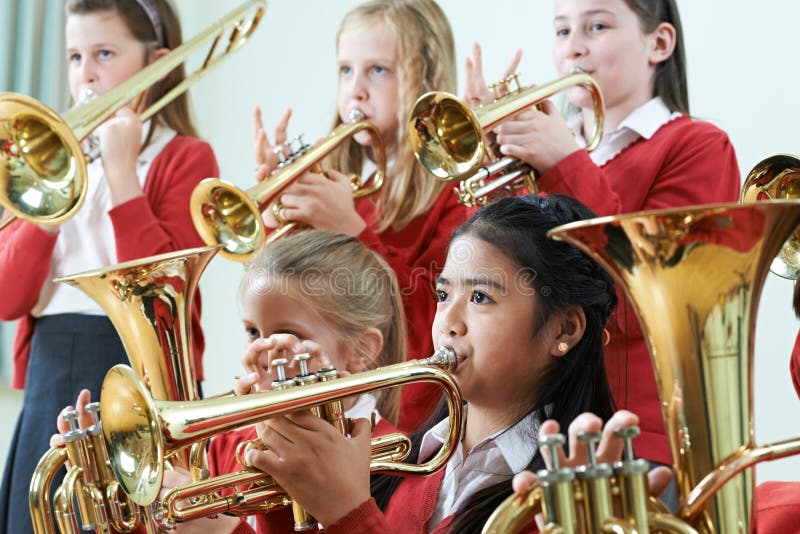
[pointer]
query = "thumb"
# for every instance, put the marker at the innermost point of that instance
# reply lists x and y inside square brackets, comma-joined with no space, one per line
[523,482]
[549,108]
[658,479]
[361,430]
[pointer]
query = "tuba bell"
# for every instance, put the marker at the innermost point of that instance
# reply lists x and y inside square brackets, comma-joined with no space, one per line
[42,165]
[449,138]
[777,178]
[694,276]
[149,302]
[224,214]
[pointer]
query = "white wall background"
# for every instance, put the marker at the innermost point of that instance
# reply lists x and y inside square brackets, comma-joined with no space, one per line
[739,57]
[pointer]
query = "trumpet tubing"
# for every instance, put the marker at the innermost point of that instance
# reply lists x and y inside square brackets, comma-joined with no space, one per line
[42,166]
[141,431]
[449,138]
[225,214]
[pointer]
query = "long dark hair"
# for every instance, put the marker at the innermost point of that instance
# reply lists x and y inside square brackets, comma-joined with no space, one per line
[565,277]
[176,114]
[670,83]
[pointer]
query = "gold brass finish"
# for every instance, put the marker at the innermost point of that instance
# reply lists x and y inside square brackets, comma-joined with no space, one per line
[449,138]
[149,301]
[42,166]
[225,214]
[777,178]
[140,431]
[694,275]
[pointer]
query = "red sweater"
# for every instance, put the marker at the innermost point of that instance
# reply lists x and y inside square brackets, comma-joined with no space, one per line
[794,364]
[417,254]
[777,508]
[221,460]
[685,162]
[154,223]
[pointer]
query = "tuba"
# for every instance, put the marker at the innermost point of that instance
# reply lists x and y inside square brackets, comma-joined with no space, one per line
[141,431]
[776,178]
[449,138]
[224,214]
[694,276]
[149,302]
[43,168]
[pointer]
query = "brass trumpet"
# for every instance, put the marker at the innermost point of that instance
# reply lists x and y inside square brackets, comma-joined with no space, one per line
[43,170]
[694,276]
[449,138]
[140,431]
[776,178]
[225,214]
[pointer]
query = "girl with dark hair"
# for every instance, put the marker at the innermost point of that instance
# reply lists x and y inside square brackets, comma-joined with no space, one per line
[136,206]
[653,153]
[525,316]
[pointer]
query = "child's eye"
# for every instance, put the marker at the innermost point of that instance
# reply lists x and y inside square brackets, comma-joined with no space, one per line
[597,26]
[74,58]
[441,295]
[378,69]
[562,32]
[479,297]
[105,54]
[252,333]
[344,70]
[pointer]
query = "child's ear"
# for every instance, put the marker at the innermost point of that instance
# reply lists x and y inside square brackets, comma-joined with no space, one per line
[662,43]
[157,54]
[573,325]
[369,344]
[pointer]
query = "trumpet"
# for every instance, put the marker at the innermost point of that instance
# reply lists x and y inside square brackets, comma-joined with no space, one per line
[775,178]
[225,214]
[140,431]
[43,172]
[694,276]
[449,138]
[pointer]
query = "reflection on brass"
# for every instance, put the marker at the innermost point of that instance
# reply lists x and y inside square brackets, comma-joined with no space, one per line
[139,441]
[449,139]
[777,178]
[42,165]
[694,276]
[225,214]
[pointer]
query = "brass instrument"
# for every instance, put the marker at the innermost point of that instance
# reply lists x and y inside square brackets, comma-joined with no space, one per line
[43,171]
[149,301]
[776,178]
[449,138]
[225,214]
[694,276]
[140,431]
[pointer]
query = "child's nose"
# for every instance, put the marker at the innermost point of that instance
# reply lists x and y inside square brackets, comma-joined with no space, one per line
[576,45]
[359,88]
[88,72]
[454,324]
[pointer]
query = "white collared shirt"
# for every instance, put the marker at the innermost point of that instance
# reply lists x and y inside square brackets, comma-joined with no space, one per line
[495,459]
[642,122]
[86,241]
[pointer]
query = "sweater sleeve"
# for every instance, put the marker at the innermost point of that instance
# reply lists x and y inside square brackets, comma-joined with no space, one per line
[365,519]
[25,253]
[159,221]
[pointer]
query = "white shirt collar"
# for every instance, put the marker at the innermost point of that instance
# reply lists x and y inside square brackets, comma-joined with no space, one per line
[642,123]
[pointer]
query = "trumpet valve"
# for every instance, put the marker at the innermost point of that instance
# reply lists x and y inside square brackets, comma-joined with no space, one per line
[279,365]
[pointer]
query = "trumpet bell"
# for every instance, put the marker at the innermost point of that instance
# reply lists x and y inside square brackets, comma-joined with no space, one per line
[445,136]
[777,178]
[43,172]
[138,469]
[222,213]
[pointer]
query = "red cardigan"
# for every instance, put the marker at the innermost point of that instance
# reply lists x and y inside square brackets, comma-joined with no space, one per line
[417,254]
[154,223]
[221,460]
[685,162]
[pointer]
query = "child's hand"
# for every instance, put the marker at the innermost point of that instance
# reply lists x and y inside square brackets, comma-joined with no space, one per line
[84,418]
[178,477]
[266,158]
[477,92]
[305,455]
[120,142]
[541,139]
[258,358]
[324,202]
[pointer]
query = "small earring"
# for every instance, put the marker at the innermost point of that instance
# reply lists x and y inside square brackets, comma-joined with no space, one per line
[606,337]
[562,347]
